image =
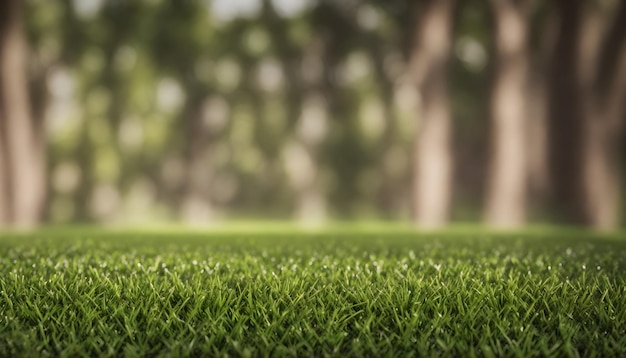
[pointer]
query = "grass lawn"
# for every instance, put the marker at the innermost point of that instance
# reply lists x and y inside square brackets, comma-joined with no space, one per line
[294,294]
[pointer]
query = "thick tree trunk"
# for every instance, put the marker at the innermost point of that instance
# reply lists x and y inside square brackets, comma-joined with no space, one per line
[603,126]
[537,142]
[507,182]
[566,116]
[432,176]
[541,45]
[588,93]
[25,164]
[601,174]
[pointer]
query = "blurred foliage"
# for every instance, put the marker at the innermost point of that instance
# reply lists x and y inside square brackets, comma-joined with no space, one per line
[200,109]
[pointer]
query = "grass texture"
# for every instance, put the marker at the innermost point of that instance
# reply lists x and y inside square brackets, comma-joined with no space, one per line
[290,294]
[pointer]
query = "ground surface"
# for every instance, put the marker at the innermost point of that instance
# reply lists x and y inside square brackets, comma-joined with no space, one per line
[292,294]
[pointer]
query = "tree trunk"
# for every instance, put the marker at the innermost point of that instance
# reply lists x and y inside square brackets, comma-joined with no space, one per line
[601,175]
[541,45]
[25,160]
[589,76]
[507,183]
[432,176]
[537,141]
[603,126]
[566,116]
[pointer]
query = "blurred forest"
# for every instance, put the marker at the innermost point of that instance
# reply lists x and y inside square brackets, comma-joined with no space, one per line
[506,112]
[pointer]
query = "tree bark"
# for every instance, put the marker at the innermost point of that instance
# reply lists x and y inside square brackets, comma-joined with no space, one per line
[588,93]
[603,126]
[566,116]
[541,44]
[537,141]
[507,182]
[432,152]
[25,159]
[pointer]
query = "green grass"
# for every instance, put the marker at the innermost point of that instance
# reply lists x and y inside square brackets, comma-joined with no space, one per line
[86,293]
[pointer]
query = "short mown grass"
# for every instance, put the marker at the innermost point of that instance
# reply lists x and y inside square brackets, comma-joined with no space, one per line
[291,294]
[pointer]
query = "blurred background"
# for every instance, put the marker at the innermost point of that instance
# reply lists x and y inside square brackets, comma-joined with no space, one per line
[503,112]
